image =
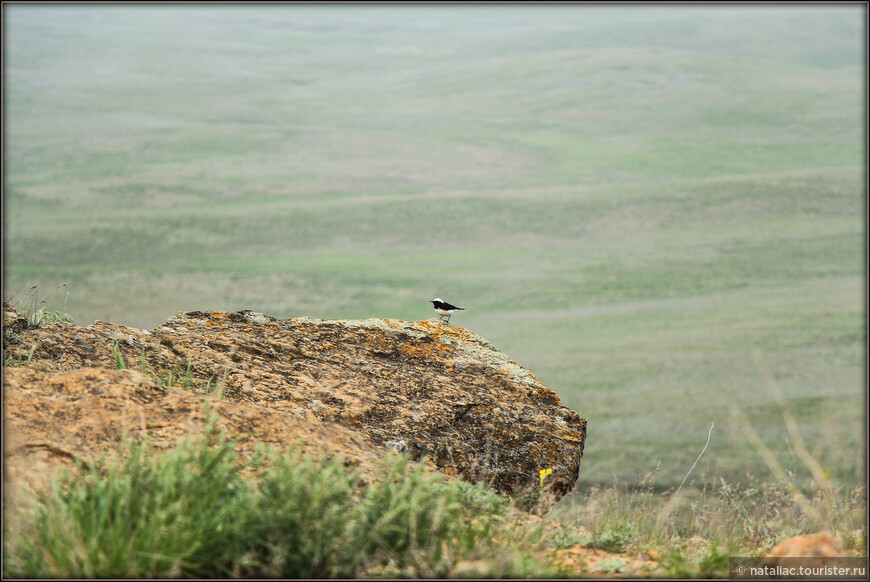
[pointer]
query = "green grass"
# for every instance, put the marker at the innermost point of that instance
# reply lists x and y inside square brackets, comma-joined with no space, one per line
[190,512]
[196,510]
[630,202]
[148,516]
[19,360]
[164,375]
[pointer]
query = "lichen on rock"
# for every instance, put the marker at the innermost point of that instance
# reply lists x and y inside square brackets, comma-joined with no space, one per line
[355,388]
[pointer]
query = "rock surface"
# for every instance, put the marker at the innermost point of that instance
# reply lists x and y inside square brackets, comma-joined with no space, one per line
[354,388]
[823,544]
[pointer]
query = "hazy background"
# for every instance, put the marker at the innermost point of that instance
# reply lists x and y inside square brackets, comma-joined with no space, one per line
[650,207]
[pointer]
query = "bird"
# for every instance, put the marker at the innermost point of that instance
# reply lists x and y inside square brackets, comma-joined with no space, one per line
[443,308]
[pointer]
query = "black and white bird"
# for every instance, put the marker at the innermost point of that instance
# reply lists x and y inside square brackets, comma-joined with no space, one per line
[443,308]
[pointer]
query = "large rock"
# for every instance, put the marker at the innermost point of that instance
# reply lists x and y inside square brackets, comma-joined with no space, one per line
[355,388]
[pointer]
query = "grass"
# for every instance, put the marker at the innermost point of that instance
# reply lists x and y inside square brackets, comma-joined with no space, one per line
[147,516]
[637,200]
[197,511]
[18,360]
[164,376]
[190,512]
[36,310]
[696,533]
[36,313]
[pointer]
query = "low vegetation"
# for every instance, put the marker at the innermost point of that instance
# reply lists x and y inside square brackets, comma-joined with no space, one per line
[36,311]
[197,511]
[164,375]
[192,512]
[695,532]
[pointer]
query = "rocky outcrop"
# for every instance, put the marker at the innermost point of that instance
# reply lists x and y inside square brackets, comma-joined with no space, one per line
[355,388]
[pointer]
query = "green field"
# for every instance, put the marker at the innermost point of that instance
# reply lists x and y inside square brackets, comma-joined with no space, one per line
[650,207]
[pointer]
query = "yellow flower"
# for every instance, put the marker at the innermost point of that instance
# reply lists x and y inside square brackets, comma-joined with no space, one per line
[544,473]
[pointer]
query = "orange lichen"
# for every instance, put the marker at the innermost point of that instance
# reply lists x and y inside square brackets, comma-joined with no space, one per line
[432,350]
